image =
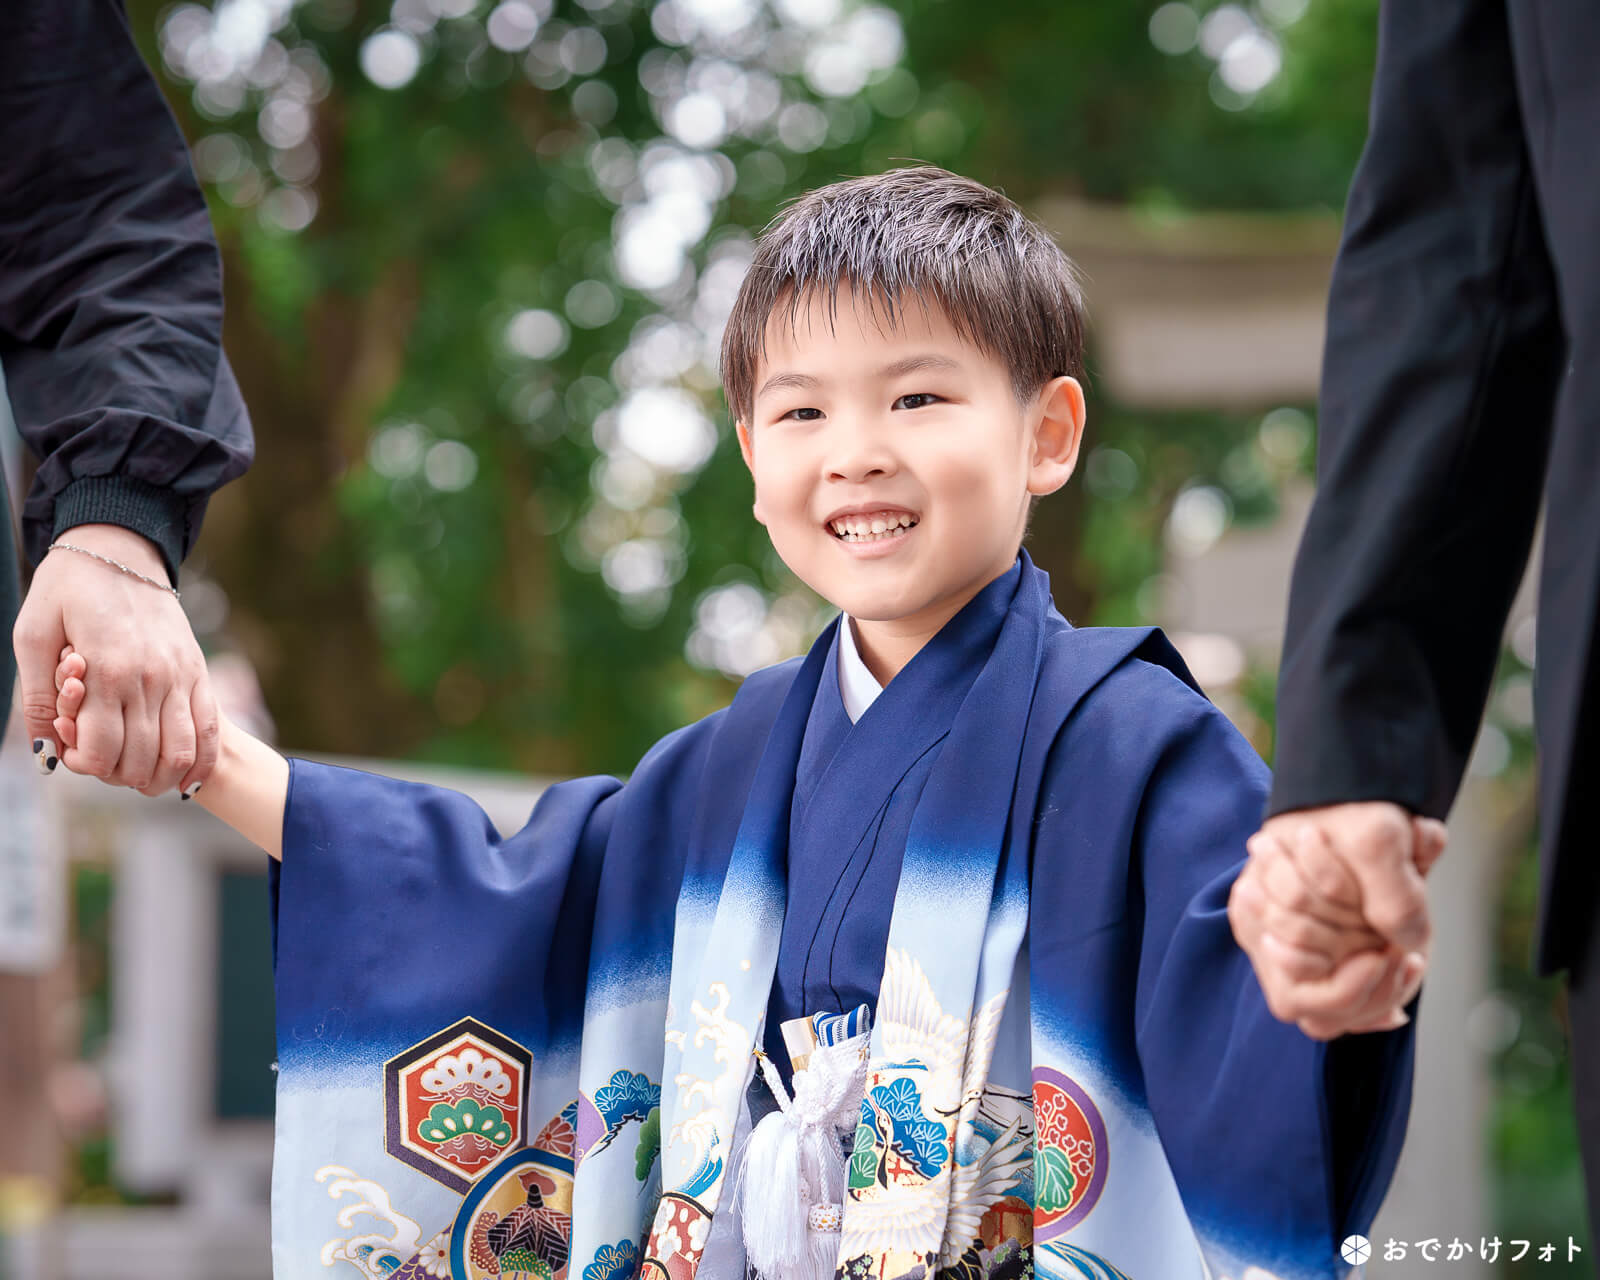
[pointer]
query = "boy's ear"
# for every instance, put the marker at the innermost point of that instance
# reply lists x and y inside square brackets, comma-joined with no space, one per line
[743,432]
[1057,434]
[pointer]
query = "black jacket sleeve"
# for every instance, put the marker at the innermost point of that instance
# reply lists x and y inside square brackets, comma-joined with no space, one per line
[110,286]
[1444,351]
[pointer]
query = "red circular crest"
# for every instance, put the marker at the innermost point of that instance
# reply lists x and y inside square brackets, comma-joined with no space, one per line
[1070,1154]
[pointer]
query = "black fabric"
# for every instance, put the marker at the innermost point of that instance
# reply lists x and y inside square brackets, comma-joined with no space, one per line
[110,286]
[1465,300]
[10,602]
[159,514]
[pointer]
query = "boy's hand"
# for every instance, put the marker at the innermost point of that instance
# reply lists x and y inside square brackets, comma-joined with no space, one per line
[248,788]
[72,673]
[70,690]
[1298,911]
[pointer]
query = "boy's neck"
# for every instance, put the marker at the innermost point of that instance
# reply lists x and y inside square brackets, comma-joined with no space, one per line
[886,646]
[885,653]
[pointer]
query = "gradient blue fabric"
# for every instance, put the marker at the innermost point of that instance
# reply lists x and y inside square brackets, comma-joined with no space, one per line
[529,1052]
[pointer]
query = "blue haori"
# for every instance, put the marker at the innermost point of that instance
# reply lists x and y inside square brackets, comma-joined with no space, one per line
[530,1056]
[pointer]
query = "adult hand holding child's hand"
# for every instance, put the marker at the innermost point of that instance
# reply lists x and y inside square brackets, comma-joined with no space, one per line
[251,779]
[149,720]
[1331,911]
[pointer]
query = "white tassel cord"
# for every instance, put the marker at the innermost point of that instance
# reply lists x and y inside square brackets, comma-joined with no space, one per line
[824,1222]
[774,1208]
[793,1171]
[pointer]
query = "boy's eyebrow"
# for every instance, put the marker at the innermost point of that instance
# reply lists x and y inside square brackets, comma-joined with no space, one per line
[780,381]
[918,363]
[910,364]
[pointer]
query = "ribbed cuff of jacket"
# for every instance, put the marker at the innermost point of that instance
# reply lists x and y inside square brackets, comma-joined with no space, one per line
[146,509]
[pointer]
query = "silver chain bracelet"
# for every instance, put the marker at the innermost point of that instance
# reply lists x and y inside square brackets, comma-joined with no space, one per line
[116,564]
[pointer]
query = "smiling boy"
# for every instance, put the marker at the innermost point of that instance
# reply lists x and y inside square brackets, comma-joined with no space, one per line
[828,368]
[915,960]
[898,538]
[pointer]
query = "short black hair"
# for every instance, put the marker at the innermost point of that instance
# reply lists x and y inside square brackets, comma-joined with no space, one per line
[920,233]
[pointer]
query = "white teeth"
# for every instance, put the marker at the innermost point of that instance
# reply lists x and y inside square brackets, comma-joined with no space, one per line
[873,529]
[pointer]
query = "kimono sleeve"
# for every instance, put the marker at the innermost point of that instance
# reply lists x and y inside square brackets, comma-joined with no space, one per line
[1280,1145]
[399,908]
[434,981]
[414,951]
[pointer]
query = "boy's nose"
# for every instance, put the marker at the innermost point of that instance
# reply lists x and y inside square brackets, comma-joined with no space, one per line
[858,452]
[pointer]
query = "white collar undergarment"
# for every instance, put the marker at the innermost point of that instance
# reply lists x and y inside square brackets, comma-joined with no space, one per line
[857,686]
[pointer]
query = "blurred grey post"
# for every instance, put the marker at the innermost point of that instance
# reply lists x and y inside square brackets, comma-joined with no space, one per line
[32,955]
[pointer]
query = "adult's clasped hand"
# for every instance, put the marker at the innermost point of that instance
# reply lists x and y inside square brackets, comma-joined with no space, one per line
[1332,912]
[150,720]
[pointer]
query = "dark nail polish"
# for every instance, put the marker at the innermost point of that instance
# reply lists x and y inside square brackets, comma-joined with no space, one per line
[38,745]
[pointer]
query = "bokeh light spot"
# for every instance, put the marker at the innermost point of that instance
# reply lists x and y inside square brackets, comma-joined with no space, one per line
[592,304]
[390,58]
[537,334]
[450,466]
[1174,28]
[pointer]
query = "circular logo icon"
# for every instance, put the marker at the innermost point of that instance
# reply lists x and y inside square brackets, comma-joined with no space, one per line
[1355,1250]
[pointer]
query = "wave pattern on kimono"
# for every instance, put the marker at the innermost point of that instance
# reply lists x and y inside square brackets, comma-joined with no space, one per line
[528,1056]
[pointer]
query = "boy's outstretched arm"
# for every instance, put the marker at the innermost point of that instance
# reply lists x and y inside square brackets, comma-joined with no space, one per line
[249,787]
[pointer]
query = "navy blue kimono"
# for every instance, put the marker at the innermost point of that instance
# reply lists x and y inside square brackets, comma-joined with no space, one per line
[526,1052]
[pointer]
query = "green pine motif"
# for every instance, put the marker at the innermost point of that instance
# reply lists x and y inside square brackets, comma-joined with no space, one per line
[1053,1179]
[452,1120]
[864,1159]
[520,1262]
[644,1155]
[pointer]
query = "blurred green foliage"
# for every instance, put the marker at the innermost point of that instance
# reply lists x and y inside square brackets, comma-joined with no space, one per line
[390,615]
[1539,1192]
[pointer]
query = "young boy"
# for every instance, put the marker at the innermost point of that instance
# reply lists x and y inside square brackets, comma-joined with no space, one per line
[958,878]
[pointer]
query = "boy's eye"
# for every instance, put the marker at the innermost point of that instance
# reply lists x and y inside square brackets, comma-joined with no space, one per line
[916,400]
[803,415]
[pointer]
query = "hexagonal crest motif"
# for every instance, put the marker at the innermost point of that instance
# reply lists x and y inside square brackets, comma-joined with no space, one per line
[456,1102]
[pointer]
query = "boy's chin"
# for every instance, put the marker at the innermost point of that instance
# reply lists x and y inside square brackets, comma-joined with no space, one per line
[871,606]
[846,597]
[843,588]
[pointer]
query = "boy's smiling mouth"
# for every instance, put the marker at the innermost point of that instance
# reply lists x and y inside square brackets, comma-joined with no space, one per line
[872,524]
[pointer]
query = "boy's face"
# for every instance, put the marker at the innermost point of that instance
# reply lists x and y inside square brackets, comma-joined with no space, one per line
[893,466]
